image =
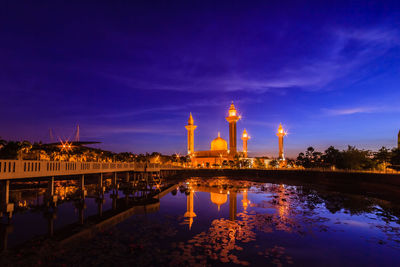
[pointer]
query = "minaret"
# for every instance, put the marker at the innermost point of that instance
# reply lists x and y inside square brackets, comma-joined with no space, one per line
[245,137]
[190,129]
[232,119]
[281,133]
[189,214]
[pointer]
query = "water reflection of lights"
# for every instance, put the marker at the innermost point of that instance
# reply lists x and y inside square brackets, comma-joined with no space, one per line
[245,201]
[225,238]
[273,209]
[189,214]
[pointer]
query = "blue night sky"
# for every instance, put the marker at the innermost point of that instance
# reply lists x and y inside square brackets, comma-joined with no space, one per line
[130,72]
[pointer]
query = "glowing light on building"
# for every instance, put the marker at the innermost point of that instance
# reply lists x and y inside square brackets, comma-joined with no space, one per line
[232,119]
[220,152]
[245,137]
[190,135]
[281,133]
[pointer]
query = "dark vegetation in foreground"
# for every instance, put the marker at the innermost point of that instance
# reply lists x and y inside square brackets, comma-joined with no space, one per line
[39,151]
[350,159]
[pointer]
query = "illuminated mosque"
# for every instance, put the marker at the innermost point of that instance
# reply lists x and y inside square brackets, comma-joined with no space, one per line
[219,151]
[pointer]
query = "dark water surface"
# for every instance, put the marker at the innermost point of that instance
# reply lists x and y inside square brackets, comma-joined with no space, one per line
[214,222]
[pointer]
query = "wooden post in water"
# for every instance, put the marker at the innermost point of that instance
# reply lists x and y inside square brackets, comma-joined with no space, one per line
[51,187]
[100,207]
[100,199]
[82,186]
[101,188]
[51,198]
[115,183]
[5,230]
[82,212]
[6,207]
[51,216]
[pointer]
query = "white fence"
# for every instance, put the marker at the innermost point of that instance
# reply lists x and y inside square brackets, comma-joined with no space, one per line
[12,169]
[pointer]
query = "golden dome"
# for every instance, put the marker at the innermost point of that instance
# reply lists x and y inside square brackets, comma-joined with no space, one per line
[219,144]
[218,199]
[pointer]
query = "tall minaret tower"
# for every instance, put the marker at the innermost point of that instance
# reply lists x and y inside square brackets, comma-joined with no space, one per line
[232,119]
[281,133]
[245,137]
[190,129]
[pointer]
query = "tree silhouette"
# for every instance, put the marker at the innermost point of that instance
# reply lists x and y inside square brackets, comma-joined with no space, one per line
[331,157]
[383,155]
[395,158]
[310,159]
[355,159]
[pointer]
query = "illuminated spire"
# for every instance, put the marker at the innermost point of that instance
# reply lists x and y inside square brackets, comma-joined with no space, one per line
[232,119]
[232,110]
[280,128]
[281,133]
[190,121]
[245,137]
[190,134]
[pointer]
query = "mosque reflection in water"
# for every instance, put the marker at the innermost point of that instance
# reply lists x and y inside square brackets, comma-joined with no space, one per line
[203,221]
[225,235]
[219,193]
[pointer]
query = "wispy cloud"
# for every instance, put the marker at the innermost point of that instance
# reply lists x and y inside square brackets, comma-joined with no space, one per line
[360,109]
[342,54]
[349,111]
[214,102]
[340,60]
[102,130]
